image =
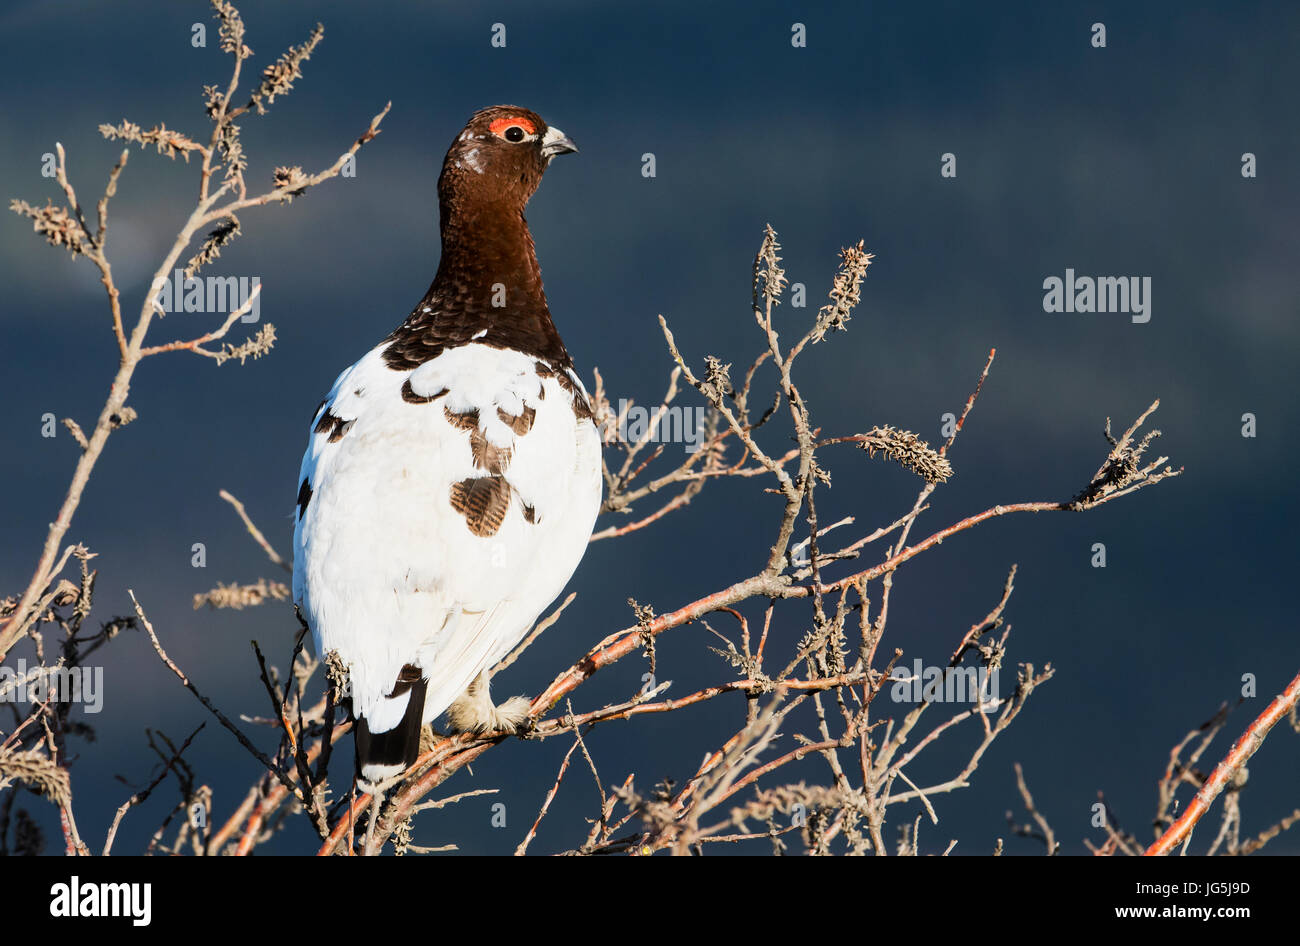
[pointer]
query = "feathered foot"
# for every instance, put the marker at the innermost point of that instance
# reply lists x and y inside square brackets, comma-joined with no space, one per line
[474,711]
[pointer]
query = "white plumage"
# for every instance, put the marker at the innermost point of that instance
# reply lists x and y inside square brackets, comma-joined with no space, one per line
[386,572]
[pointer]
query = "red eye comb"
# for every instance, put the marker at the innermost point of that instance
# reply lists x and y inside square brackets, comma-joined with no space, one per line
[501,124]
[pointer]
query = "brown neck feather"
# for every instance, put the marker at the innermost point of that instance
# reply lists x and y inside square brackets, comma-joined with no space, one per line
[488,278]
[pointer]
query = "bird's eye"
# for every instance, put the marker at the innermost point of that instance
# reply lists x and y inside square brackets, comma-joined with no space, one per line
[512,128]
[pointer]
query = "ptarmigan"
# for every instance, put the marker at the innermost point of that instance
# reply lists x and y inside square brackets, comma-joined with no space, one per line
[452,476]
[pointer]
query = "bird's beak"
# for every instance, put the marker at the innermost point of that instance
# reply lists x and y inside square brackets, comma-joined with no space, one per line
[556,142]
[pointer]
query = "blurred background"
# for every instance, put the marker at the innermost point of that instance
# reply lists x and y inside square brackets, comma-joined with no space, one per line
[1123,160]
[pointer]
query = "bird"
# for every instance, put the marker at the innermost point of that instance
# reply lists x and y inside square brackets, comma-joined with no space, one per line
[452,476]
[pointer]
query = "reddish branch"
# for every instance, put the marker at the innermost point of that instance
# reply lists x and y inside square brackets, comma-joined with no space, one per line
[1245,747]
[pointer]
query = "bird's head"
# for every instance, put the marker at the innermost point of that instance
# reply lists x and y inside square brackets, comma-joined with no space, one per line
[500,156]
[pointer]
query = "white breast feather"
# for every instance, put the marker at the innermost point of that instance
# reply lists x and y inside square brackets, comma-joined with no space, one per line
[387,572]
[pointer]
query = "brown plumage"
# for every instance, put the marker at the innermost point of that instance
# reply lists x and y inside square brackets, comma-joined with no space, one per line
[486,250]
[483,501]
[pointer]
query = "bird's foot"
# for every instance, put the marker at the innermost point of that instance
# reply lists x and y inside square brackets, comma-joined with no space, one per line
[474,711]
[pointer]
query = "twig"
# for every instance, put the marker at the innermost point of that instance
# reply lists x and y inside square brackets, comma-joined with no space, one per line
[142,796]
[546,802]
[221,717]
[1245,746]
[1048,837]
[255,532]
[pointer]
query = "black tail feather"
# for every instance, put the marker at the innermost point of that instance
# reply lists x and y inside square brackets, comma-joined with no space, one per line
[399,746]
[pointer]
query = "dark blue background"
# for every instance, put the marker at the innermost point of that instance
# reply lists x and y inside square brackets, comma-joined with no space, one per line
[1123,160]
